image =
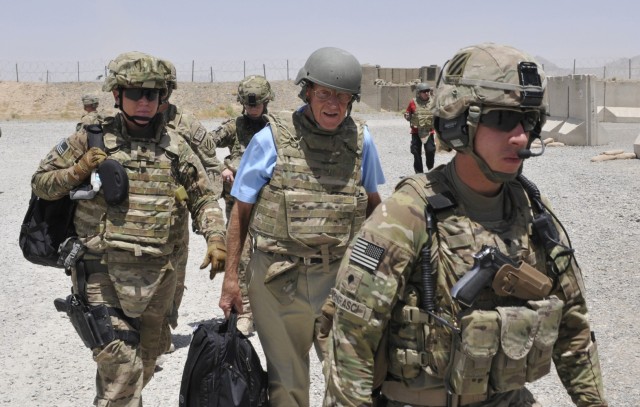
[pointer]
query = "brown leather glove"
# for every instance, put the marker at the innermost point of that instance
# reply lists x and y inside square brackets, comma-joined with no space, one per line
[216,255]
[89,162]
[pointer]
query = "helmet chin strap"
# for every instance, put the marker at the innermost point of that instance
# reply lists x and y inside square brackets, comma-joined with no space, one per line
[493,176]
[134,119]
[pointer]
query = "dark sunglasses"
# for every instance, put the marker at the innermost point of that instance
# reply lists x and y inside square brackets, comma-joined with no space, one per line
[507,120]
[136,94]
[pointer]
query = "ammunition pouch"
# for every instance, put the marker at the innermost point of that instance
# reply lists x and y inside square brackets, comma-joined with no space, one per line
[115,183]
[524,282]
[70,251]
[502,350]
[93,323]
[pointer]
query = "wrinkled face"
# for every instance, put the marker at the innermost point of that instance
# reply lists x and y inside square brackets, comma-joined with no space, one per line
[328,107]
[499,148]
[254,112]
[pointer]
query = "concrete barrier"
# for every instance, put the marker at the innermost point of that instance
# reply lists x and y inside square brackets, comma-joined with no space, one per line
[572,109]
[618,101]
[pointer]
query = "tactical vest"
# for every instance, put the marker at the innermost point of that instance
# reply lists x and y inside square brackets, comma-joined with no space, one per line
[142,223]
[246,128]
[422,118]
[504,341]
[314,201]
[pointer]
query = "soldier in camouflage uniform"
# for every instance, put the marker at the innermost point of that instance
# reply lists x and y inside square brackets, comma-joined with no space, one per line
[186,125]
[419,115]
[402,335]
[304,186]
[254,93]
[90,104]
[129,244]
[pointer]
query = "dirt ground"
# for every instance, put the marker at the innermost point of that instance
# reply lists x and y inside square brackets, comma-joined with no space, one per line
[43,362]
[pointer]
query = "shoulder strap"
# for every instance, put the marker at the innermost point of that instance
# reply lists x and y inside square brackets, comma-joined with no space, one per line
[95,136]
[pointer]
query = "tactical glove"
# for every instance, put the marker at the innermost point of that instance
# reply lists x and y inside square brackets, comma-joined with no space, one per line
[89,162]
[216,255]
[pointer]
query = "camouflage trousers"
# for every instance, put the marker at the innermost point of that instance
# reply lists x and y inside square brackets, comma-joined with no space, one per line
[516,398]
[180,265]
[288,319]
[124,370]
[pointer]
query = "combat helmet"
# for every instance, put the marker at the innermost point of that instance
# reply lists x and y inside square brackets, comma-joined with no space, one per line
[482,78]
[171,77]
[334,68]
[422,87]
[254,90]
[89,99]
[135,70]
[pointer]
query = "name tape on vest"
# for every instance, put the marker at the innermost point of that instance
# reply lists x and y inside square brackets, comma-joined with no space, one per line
[348,305]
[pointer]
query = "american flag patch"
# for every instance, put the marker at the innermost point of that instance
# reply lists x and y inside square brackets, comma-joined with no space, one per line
[366,254]
[62,147]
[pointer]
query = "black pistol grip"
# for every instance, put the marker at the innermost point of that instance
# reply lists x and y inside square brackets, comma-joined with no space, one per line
[61,305]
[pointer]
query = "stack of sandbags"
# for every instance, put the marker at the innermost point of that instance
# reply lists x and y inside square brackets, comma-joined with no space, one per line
[613,155]
[548,142]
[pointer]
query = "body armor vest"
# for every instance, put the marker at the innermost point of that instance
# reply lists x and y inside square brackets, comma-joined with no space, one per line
[422,118]
[314,201]
[504,341]
[246,128]
[142,223]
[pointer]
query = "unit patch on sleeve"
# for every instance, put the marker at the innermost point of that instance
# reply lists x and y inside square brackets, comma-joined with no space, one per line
[199,135]
[366,254]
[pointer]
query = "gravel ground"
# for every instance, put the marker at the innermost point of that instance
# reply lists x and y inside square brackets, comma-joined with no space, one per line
[43,362]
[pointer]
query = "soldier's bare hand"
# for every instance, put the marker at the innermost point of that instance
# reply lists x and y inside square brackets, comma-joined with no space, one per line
[227,175]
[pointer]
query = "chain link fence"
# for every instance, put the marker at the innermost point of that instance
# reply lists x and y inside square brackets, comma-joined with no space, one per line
[602,68]
[277,69]
[193,71]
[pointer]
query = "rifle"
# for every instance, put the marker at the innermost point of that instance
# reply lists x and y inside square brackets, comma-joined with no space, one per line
[492,267]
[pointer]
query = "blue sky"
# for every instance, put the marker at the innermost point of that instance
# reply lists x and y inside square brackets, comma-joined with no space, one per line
[396,33]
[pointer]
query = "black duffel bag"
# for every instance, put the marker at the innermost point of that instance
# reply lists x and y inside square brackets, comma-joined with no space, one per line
[222,369]
[46,225]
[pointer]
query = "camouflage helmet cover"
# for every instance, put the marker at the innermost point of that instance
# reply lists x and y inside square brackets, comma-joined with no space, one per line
[334,68]
[135,70]
[490,75]
[254,90]
[481,78]
[171,73]
[89,99]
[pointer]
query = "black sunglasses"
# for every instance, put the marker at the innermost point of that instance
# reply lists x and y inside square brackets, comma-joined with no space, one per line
[507,120]
[136,94]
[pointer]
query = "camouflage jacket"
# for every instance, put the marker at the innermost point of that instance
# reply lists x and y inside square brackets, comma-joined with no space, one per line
[383,265]
[202,142]
[89,118]
[236,134]
[56,177]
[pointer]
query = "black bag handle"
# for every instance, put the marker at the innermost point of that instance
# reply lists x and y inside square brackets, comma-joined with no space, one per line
[232,332]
